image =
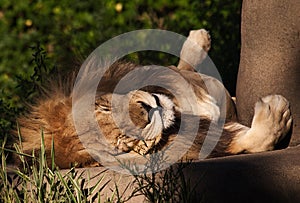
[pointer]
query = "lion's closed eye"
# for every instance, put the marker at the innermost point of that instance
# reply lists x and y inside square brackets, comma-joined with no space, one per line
[104,109]
[147,107]
[150,110]
[139,114]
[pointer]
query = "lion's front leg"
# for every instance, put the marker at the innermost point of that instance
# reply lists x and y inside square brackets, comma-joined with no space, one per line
[271,122]
[194,50]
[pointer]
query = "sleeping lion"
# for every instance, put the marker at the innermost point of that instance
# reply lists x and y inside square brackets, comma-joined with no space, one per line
[157,116]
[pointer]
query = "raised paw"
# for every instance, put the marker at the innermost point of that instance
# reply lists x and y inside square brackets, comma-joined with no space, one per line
[201,37]
[194,50]
[271,122]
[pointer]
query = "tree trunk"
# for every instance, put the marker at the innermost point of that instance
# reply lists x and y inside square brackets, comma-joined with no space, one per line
[270,57]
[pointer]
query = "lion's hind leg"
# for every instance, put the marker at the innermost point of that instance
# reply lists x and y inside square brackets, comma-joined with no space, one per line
[271,122]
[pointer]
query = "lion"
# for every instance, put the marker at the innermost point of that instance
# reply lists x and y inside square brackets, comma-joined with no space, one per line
[156,115]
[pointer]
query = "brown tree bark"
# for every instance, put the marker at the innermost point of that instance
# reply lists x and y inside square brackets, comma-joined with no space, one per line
[270,57]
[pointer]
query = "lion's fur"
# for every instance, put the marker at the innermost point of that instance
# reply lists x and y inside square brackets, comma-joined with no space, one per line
[52,116]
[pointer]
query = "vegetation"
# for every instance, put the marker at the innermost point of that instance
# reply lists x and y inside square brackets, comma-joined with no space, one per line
[38,182]
[169,185]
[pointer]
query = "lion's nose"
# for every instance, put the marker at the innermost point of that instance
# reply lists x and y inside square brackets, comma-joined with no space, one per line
[152,110]
[157,108]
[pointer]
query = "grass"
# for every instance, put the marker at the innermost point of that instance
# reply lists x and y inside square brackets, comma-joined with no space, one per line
[38,182]
[169,185]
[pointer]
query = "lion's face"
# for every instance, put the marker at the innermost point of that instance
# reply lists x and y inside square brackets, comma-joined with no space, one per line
[141,128]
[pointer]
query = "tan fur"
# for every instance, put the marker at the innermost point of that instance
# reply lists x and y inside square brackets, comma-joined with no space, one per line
[157,113]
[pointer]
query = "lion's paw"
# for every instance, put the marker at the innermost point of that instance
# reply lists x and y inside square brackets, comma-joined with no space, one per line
[128,144]
[194,49]
[201,37]
[143,146]
[271,122]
